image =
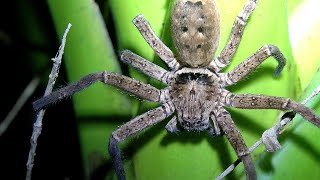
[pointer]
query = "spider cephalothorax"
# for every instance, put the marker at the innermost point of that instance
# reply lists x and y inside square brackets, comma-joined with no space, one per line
[194,93]
[195,85]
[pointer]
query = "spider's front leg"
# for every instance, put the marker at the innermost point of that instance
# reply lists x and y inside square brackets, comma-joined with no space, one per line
[155,43]
[249,101]
[233,135]
[250,64]
[135,87]
[232,45]
[132,127]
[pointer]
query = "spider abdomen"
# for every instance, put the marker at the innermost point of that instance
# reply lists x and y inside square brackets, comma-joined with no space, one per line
[195,30]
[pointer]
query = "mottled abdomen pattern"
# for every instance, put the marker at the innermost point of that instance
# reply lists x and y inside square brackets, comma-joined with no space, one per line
[195,30]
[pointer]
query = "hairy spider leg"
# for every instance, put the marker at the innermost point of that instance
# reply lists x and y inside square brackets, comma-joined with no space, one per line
[234,136]
[232,45]
[251,63]
[135,87]
[250,101]
[155,43]
[132,127]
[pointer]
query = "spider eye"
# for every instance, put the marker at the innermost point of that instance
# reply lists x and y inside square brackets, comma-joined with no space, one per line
[183,78]
[187,77]
[184,29]
[199,46]
[200,29]
[203,79]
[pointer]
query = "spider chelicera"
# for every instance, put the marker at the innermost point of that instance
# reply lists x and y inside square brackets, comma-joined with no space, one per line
[195,86]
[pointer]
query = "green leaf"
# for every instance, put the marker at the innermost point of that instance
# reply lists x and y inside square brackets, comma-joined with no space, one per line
[299,156]
[304,23]
[89,49]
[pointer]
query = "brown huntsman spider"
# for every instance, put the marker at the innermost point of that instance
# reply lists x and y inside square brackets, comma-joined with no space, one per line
[195,86]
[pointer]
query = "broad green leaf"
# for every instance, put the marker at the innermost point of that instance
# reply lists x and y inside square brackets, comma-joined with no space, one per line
[100,109]
[89,49]
[304,24]
[299,156]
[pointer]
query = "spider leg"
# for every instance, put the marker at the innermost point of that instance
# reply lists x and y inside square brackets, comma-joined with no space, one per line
[250,64]
[233,135]
[135,87]
[171,127]
[250,101]
[155,43]
[132,127]
[146,67]
[216,129]
[232,45]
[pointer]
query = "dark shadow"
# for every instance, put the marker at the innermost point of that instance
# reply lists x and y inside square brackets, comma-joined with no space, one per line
[247,123]
[101,172]
[219,144]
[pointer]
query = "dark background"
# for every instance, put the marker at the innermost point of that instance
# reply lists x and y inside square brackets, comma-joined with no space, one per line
[58,153]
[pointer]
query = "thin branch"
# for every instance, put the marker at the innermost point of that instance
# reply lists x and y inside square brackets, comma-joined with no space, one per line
[269,137]
[314,93]
[37,126]
[25,95]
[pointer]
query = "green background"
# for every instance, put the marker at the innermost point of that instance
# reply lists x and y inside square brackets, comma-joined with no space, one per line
[100,30]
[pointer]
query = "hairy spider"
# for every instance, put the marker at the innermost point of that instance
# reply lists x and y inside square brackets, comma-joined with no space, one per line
[195,87]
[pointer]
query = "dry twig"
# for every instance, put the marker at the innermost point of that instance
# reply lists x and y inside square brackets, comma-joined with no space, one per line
[37,126]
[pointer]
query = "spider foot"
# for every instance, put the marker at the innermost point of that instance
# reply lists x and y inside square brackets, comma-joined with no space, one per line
[171,127]
[214,131]
[116,157]
[269,139]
